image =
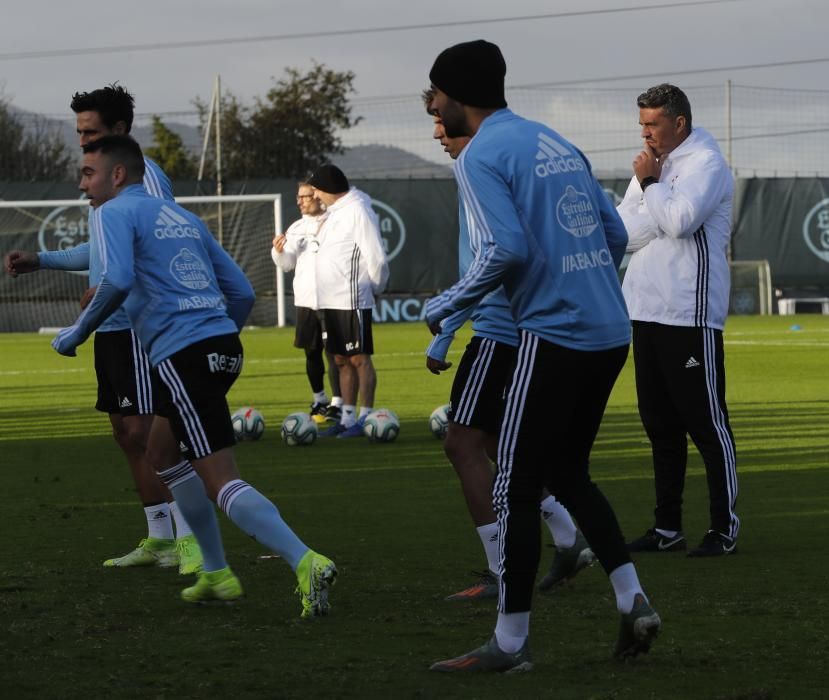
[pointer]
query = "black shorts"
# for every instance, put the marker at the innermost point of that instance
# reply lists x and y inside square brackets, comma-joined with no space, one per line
[192,385]
[308,329]
[124,377]
[477,398]
[347,331]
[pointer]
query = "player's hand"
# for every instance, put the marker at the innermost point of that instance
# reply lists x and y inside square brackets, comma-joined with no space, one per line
[437,366]
[65,343]
[646,164]
[434,327]
[19,262]
[87,297]
[279,242]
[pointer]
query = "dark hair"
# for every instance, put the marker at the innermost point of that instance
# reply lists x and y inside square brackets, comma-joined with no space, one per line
[122,150]
[112,102]
[427,96]
[670,98]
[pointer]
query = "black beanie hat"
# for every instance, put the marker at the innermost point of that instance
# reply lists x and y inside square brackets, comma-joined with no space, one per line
[329,178]
[471,73]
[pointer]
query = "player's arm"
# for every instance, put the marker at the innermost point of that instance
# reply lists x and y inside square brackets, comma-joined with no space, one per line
[237,290]
[74,259]
[368,239]
[681,208]
[19,262]
[439,347]
[115,234]
[489,203]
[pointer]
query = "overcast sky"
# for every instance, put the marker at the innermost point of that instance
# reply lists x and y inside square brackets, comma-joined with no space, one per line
[662,42]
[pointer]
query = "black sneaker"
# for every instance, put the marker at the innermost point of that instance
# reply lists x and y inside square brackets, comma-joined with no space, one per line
[333,413]
[318,412]
[638,629]
[714,544]
[653,541]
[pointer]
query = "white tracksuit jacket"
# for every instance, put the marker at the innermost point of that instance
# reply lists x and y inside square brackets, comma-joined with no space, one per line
[298,254]
[351,264]
[678,233]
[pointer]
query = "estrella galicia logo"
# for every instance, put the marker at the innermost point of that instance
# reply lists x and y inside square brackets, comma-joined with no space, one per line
[816,230]
[64,228]
[575,213]
[189,270]
[392,228]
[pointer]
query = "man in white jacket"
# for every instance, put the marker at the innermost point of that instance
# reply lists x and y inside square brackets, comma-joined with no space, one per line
[351,268]
[677,211]
[296,250]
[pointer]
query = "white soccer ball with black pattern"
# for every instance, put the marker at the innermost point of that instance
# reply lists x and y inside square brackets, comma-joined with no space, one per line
[248,424]
[439,421]
[299,429]
[381,425]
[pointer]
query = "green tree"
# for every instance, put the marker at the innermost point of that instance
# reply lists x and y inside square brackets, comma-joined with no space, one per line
[290,131]
[34,153]
[169,152]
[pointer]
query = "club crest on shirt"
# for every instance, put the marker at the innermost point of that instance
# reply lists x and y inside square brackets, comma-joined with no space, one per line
[189,270]
[575,213]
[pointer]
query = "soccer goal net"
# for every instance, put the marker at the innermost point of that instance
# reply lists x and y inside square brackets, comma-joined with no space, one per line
[750,287]
[243,224]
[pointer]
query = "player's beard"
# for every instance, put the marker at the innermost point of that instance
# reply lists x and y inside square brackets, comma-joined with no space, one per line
[454,120]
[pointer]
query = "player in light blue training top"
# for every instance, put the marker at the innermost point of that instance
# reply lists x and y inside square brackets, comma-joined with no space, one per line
[122,368]
[475,412]
[187,300]
[547,232]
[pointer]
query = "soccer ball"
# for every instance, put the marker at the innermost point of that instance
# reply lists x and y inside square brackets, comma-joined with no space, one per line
[439,421]
[381,425]
[248,424]
[299,429]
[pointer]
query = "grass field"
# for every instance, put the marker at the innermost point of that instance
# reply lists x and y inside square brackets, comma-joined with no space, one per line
[749,626]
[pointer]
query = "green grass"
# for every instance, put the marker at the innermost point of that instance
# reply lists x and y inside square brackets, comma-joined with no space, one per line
[392,516]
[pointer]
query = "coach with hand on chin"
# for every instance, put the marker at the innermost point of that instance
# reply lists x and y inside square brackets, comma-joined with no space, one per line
[677,211]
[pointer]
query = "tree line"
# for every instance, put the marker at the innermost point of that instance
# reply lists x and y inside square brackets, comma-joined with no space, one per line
[288,132]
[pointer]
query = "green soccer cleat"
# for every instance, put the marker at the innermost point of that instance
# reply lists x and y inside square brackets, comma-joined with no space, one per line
[489,657]
[315,576]
[638,629]
[567,562]
[189,555]
[221,585]
[151,551]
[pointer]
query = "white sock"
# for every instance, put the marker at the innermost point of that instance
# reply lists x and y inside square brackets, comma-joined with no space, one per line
[159,522]
[365,410]
[512,630]
[336,400]
[348,418]
[182,528]
[562,527]
[626,585]
[667,533]
[489,538]
[320,397]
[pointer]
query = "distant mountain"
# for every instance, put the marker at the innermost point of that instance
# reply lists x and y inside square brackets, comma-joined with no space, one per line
[369,161]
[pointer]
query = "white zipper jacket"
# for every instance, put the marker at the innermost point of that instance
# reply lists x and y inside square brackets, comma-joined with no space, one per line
[351,264]
[678,232]
[298,254]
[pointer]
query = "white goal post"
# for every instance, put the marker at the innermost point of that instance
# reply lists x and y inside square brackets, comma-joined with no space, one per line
[243,224]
